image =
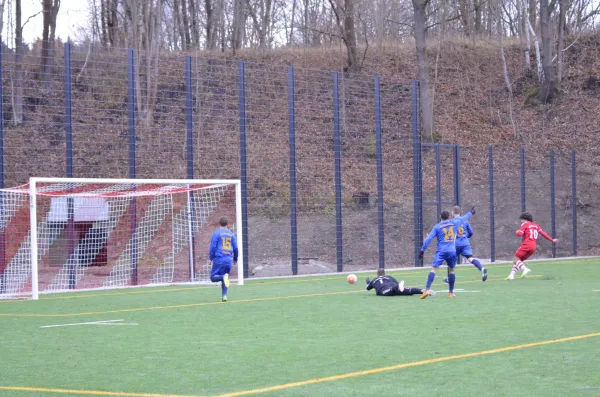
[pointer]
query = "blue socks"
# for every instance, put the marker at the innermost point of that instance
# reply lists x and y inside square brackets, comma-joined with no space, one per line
[430,279]
[451,280]
[477,264]
[216,278]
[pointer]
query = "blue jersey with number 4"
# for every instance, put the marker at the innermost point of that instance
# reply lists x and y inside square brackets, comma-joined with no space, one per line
[446,235]
[223,247]
[464,231]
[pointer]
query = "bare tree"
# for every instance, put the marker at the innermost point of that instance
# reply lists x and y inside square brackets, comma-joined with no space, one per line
[548,89]
[261,20]
[561,39]
[2,5]
[344,16]
[17,82]
[239,24]
[423,74]
[50,12]
[211,24]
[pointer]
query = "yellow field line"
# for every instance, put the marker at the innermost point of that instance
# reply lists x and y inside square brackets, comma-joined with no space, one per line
[139,309]
[314,380]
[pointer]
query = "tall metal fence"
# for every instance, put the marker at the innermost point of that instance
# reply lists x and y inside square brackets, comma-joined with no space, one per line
[334,175]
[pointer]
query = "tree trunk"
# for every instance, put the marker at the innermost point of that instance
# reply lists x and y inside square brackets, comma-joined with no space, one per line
[113,23]
[478,4]
[211,42]
[533,13]
[420,19]
[527,43]
[18,72]
[186,25]
[549,87]
[561,39]
[103,21]
[195,31]
[292,26]
[50,12]
[464,7]
[239,24]
[350,36]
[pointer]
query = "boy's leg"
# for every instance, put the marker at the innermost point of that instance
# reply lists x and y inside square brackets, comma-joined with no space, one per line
[437,261]
[451,262]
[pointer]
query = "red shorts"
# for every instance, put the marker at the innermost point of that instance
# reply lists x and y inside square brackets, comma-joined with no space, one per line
[524,252]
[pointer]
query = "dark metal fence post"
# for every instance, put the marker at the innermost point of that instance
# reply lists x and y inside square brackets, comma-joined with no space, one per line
[492,220]
[292,139]
[68,111]
[243,163]
[417,174]
[132,153]
[337,148]
[523,198]
[438,180]
[189,118]
[456,153]
[574,198]
[189,145]
[2,198]
[380,220]
[69,166]
[552,201]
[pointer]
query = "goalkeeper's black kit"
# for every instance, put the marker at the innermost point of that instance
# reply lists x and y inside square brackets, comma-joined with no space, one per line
[388,286]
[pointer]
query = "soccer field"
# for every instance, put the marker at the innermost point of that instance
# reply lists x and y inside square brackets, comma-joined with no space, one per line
[313,336]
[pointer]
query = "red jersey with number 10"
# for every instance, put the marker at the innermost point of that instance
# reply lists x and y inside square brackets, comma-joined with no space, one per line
[530,232]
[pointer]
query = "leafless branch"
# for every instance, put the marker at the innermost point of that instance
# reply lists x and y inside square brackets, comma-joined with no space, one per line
[31,17]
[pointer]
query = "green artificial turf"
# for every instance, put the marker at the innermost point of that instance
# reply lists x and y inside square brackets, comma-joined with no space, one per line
[285,337]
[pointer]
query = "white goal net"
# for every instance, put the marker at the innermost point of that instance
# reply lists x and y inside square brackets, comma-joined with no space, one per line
[60,234]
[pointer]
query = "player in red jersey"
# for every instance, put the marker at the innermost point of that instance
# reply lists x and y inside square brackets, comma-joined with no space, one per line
[530,232]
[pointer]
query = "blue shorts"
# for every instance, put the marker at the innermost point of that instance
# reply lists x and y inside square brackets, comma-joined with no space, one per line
[465,251]
[448,257]
[220,269]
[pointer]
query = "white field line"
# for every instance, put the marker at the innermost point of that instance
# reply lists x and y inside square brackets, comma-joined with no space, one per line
[103,322]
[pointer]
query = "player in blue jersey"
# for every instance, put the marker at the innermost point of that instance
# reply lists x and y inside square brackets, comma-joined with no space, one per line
[446,250]
[464,232]
[223,254]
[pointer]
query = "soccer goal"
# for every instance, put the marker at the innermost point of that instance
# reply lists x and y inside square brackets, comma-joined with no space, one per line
[65,234]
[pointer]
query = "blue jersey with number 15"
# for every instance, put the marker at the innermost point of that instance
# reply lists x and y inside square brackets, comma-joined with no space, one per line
[223,247]
[446,235]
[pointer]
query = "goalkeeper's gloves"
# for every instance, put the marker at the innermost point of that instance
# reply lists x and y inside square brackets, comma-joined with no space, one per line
[473,210]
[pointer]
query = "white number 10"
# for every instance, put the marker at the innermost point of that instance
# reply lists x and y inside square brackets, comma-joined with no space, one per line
[533,234]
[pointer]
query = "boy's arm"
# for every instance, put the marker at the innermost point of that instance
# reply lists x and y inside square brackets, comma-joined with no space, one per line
[521,230]
[370,285]
[469,230]
[469,214]
[547,236]
[235,249]
[428,239]
[213,247]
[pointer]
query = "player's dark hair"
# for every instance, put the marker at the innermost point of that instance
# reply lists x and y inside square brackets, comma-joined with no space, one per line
[526,216]
[456,210]
[445,215]
[223,221]
[380,272]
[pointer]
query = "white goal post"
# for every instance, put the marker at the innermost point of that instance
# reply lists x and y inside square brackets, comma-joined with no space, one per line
[65,234]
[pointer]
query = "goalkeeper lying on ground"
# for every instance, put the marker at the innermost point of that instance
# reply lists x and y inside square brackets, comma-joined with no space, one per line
[388,286]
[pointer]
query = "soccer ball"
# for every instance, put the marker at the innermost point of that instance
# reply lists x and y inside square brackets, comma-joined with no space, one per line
[352,278]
